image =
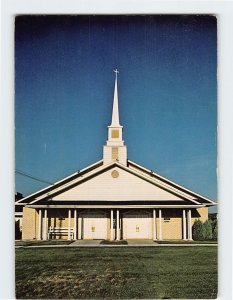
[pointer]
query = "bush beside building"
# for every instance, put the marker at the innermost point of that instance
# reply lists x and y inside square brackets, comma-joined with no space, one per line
[205,231]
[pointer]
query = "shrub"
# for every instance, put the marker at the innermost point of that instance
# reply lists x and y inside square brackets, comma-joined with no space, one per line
[198,231]
[207,230]
[214,230]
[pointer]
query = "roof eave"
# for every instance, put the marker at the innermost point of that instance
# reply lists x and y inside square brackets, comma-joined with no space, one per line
[170,181]
[58,182]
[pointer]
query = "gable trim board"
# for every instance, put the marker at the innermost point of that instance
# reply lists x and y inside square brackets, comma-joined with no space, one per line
[112,206]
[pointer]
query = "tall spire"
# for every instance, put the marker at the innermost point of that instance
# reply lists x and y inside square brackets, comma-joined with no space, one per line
[115,149]
[115,110]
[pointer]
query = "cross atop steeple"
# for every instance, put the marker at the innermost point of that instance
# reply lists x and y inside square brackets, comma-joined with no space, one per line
[116,71]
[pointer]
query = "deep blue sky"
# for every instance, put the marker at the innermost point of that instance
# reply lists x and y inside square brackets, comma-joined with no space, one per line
[167,95]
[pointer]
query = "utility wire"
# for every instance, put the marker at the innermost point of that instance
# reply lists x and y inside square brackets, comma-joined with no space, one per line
[32,177]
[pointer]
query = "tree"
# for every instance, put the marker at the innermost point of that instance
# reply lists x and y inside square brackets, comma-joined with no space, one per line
[198,231]
[207,230]
[214,230]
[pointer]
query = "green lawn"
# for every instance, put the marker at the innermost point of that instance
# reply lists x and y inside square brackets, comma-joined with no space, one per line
[153,272]
[186,242]
[41,243]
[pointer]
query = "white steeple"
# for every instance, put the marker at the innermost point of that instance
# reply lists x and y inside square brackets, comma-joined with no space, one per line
[115,150]
[115,110]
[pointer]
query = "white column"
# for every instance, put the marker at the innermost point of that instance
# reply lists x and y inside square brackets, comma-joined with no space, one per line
[184,225]
[75,224]
[39,225]
[79,228]
[160,225]
[111,225]
[154,225]
[69,217]
[45,225]
[190,225]
[117,225]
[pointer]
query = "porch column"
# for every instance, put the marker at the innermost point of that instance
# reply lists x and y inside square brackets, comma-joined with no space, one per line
[75,224]
[184,225]
[39,225]
[45,225]
[154,225]
[117,225]
[111,225]
[160,225]
[190,225]
[69,216]
[79,228]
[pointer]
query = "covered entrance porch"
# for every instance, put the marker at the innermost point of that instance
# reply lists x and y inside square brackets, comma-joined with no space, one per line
[115,223]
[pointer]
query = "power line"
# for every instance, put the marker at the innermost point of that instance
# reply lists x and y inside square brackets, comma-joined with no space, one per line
[32,177]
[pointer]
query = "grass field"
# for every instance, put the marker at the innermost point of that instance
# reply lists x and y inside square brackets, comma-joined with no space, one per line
[91,273]
[186,242]
[41,243]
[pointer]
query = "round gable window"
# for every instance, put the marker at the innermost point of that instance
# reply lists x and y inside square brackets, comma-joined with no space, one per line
[115,174]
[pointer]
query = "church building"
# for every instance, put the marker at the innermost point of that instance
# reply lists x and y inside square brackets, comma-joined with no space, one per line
[113,199]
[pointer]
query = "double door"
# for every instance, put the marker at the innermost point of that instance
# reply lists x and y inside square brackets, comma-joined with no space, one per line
[137,226]
[95,226]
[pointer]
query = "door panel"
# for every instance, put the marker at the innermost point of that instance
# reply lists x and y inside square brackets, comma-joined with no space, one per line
[94,227]
[137,226]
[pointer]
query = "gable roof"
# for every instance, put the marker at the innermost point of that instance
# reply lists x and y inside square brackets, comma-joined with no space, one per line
[98,168]
[171,183]
[61,182]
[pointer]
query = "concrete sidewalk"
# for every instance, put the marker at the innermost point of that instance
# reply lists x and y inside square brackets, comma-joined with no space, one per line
[97,243]
[131,243]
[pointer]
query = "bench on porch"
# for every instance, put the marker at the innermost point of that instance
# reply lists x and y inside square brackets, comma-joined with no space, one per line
[60,231]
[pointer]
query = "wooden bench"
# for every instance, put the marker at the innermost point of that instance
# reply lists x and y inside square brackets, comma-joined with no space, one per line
[60,231]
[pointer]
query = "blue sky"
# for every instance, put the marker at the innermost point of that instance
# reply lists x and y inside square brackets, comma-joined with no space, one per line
[167,95]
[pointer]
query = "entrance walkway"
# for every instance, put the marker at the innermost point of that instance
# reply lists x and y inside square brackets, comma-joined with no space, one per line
[85,243]
[97,243]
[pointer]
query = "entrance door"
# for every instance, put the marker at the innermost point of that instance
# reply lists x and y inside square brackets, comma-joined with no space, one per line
[94,226]
[137,226]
